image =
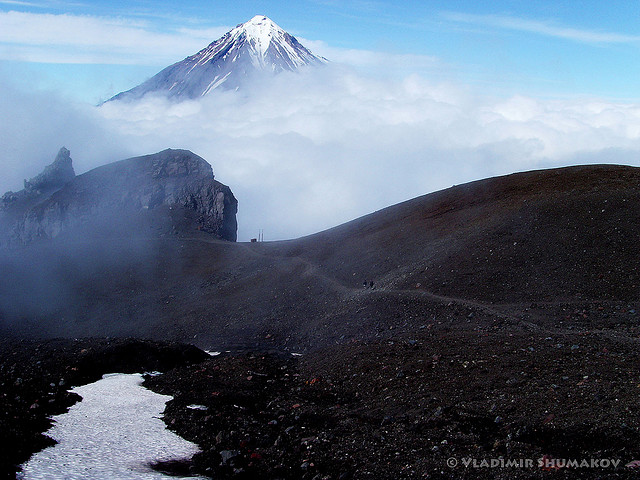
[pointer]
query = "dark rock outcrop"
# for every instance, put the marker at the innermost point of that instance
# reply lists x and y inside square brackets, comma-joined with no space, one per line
[54,176]
[40,187]
[173,191]
[14,205]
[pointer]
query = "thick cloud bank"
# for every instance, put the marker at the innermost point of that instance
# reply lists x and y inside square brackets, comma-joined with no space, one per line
[33,127]
[308,151]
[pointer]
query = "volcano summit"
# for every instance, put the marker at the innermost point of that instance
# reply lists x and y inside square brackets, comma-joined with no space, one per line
[256,47]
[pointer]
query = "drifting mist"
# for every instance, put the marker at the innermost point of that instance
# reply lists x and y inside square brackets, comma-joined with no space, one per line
[304,152]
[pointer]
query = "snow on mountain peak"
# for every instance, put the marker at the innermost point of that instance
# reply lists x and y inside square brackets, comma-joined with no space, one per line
[261,20]
[261,35]
[258,45]
[261,30]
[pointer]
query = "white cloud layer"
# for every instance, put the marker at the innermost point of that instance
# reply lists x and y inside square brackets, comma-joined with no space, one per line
[371,59]
[307,152]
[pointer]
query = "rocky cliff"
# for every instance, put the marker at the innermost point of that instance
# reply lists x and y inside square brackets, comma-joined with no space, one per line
[40,187]
[54,176]
[173,191]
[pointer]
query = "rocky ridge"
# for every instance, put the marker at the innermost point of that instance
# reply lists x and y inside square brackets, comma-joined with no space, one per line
[173,191]
[53,177]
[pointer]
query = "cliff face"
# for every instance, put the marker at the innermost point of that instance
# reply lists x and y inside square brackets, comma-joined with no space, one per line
[173,191]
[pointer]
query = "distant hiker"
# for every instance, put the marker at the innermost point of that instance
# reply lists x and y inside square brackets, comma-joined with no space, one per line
[365,284]
[371,285]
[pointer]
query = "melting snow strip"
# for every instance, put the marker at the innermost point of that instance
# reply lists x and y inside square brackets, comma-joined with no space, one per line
[114,433]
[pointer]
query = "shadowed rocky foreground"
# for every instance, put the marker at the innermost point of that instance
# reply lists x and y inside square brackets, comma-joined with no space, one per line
[493,320]
[400,408]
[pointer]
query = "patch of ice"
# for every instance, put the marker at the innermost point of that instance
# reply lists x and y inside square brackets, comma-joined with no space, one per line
[115,432]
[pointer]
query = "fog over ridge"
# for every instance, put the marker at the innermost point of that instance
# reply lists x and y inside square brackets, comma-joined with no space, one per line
[304,152]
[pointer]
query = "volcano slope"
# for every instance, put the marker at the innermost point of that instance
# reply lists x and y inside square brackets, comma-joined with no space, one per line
[529,248]
[501,323]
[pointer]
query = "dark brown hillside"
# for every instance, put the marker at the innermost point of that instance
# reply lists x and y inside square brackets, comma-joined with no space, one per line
[525,247]
[562,234]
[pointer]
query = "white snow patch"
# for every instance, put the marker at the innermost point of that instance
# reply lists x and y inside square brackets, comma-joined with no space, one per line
[262,30]
[115,432]
[197,407]
[215,84]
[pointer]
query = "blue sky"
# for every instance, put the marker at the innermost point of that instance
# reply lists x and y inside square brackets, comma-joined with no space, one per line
[93,50]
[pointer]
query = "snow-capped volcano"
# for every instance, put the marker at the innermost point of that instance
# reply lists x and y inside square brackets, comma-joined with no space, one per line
[258,45]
